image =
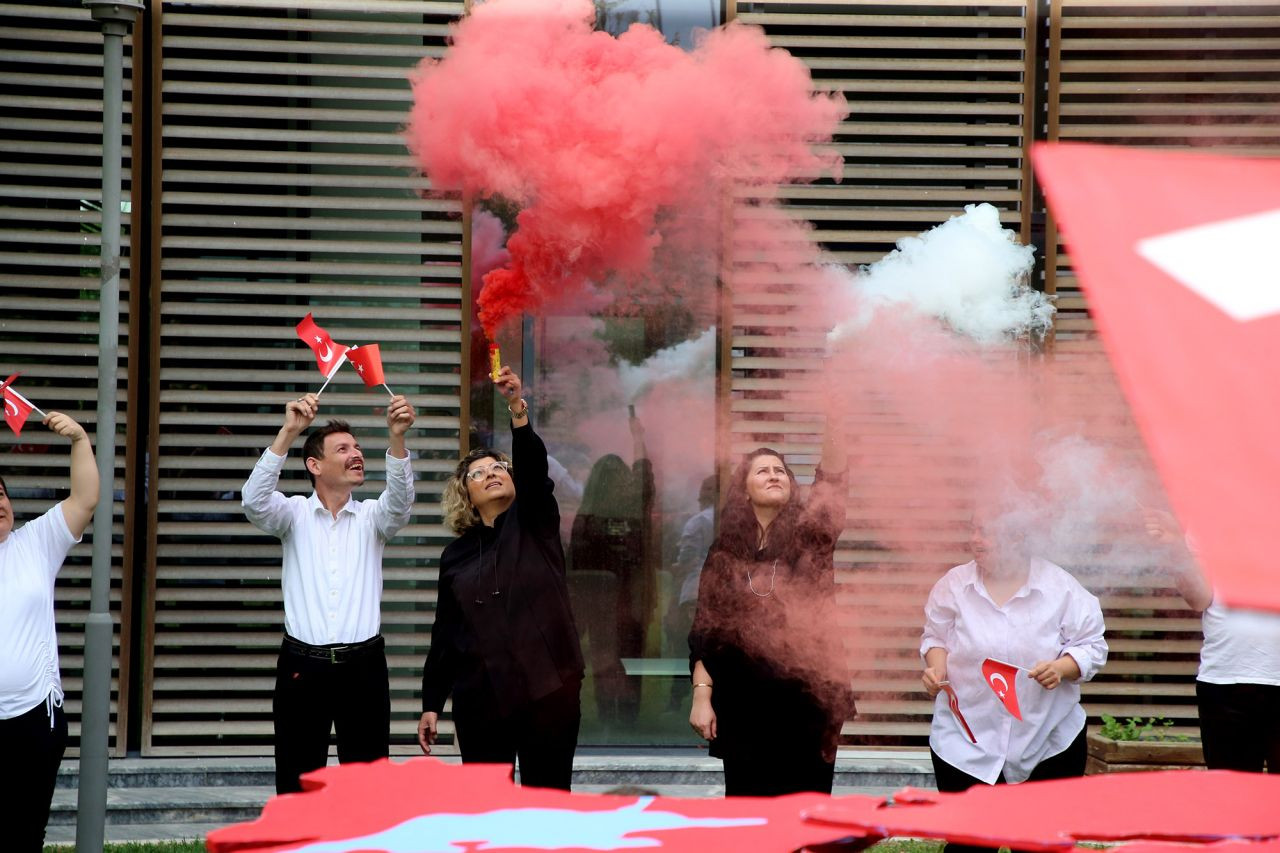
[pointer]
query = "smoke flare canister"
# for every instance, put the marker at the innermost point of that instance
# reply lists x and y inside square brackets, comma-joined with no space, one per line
[495,362]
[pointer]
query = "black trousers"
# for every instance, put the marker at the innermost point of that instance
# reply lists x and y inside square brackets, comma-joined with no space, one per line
[32,751]
[775,771]
[1240,726]
[1065,765]
[312,696]
[542,736]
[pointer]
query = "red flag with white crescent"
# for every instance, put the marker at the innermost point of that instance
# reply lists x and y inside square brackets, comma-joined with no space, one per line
[16,409]
[328,354]
[1176,252]
[1001,678]
[367,361]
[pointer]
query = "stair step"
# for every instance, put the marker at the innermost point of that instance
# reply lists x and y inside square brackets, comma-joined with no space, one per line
[220,804]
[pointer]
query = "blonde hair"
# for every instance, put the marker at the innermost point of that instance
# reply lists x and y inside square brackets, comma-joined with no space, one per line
[455,502]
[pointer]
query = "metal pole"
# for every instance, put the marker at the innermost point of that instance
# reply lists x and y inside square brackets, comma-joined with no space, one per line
[115,18]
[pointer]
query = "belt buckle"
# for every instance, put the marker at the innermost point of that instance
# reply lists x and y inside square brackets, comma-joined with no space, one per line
[333,654]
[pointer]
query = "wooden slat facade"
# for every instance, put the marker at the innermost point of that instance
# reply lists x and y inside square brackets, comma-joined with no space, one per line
[275,182]
[282,186]
[50,225]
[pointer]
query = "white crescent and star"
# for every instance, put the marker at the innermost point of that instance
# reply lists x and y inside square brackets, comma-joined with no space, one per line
[1227,263]
[1003,689]
[327,355]
[11,406]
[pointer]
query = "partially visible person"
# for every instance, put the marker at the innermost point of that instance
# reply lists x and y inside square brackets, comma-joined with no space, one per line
[1238,682]
[612,540]
[504,643]
[331,673]
[1026,611]
[764,652]
[691,552]
[33,725]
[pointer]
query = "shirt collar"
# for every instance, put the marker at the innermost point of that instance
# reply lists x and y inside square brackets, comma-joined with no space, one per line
[314,503]
[971,578]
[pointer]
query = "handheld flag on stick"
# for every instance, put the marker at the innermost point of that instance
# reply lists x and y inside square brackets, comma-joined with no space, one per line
[1000,678]
[953,702]
[329,355]
[367,361]
[16,406]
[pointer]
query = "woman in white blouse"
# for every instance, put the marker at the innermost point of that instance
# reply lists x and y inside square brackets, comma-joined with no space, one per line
[1026,611]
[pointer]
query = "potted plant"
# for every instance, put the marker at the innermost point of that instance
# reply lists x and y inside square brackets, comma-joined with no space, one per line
[1136,744]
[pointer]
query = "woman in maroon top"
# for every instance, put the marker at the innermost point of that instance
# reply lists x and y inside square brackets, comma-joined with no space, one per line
[770,681]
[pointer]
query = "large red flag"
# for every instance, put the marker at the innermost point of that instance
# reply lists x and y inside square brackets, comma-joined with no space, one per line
[328,353]
[367,361]
[1001,678]
[1175,252]
[425,804]
[16,409]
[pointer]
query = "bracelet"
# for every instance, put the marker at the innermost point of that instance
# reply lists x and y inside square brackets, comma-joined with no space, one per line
[701,684]
[520,414]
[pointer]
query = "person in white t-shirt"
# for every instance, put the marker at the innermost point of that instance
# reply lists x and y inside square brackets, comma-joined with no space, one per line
[1026,611]
[1238,683]
[33,727]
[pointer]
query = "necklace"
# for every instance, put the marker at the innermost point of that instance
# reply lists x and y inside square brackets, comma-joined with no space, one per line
[773,579]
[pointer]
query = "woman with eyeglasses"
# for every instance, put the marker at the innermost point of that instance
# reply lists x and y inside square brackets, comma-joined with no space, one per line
[771,686]
[504,641]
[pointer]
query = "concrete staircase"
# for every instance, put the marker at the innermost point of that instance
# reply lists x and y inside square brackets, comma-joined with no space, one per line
[167,799]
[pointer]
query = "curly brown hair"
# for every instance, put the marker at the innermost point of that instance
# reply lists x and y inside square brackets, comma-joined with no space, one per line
[455,502]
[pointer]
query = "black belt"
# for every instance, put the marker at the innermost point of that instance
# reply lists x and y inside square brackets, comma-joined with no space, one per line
[335,653]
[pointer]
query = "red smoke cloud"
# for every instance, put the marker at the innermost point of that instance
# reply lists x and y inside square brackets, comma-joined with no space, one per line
[594,137]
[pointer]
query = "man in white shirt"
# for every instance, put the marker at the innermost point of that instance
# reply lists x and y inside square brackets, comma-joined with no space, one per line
[332,670]
[33,726]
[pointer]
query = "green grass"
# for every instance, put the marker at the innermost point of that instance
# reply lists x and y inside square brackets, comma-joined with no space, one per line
[158,847]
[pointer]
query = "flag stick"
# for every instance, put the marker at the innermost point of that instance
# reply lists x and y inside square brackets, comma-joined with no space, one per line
[332,373]
[389,391]
[15,393]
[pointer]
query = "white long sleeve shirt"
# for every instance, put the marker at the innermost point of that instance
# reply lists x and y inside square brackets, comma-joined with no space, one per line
[30,558]
[1051,615]
[332,575]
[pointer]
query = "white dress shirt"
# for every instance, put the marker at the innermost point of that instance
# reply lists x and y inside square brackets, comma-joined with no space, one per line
[332,574]
[30,558]
[1051,615]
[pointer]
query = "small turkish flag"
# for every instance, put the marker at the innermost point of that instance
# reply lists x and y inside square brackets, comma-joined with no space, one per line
[953,701]
[328,354]
[16,409]
[1176,252]
[367,361]
[1000,678]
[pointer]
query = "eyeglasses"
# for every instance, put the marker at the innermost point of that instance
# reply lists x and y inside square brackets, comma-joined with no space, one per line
[475,475]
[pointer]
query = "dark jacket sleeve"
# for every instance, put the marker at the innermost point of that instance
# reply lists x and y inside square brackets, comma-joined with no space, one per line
[710,582]
[441,668]
[824,514]
[535,501]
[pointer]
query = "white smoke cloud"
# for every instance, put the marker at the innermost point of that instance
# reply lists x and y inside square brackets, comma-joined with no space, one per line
[687,360]
[969,272]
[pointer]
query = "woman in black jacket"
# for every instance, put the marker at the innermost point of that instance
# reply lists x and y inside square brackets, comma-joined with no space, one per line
[504,640]
[771,685]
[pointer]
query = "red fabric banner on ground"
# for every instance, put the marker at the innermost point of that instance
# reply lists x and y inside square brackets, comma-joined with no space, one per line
[367,361]
[424,804]
[16,409]
[1001,678]
[328,354]
[1175,253]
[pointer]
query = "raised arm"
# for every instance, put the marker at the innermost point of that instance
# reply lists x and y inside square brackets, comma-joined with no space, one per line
[78,508]
[263,505]
[395,504]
